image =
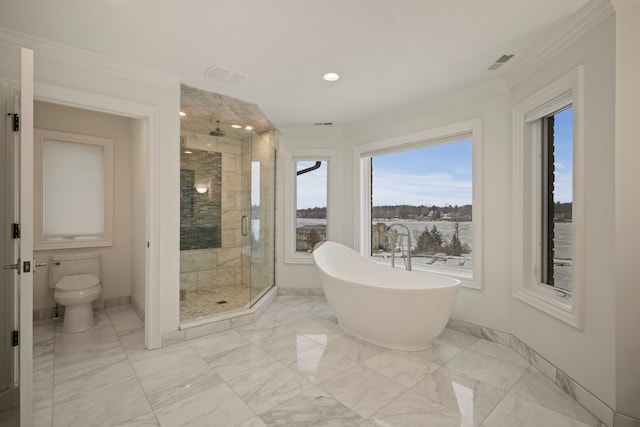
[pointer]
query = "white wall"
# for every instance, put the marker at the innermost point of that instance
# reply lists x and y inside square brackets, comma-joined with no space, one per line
[585,355]
[627,206]
[116,260]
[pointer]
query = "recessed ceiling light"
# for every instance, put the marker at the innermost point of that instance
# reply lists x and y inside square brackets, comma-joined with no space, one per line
[236,126]
[331,77]
[182,114]
[248,127]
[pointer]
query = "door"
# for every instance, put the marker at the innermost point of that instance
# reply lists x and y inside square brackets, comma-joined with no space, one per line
[262,214]
[16,248]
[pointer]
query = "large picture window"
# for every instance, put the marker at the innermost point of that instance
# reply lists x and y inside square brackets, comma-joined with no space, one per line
[73,189]
[419,199]
[422,205]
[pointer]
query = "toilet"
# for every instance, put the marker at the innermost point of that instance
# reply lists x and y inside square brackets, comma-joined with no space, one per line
[76,280]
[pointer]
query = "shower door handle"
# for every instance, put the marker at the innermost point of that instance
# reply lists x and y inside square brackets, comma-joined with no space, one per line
[244,225]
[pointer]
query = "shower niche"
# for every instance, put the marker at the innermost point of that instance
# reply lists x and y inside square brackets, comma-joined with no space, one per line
[227,205]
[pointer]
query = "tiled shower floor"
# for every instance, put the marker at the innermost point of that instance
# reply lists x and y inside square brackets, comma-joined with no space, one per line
[293,367]
[210,301]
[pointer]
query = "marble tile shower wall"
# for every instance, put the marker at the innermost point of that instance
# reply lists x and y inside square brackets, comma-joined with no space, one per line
[207,268]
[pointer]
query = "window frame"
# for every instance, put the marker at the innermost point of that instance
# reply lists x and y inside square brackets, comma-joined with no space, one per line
[40,243]
[471,129]
[329,156]
[527,199]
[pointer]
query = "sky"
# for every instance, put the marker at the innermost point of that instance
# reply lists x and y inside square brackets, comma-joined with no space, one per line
[312,186]
[438,175]
[563,140]
[434,175]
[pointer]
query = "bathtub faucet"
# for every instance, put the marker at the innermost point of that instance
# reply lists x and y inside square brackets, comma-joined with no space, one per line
[395,235]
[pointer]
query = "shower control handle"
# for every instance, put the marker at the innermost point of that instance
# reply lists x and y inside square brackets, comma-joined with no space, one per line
[244,225]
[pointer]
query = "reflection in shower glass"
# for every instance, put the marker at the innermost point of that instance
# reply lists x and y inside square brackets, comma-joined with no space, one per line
[255,205]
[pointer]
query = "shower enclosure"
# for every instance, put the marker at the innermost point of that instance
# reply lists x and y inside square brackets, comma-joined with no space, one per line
[227,208]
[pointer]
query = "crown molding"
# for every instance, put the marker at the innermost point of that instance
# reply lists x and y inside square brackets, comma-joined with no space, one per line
[583,21]
[82,59]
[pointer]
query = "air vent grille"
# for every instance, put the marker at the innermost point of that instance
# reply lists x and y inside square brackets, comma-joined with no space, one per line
[225,75]
[500,62]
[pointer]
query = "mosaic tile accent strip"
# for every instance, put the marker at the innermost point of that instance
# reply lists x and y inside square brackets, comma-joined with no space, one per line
[200,213]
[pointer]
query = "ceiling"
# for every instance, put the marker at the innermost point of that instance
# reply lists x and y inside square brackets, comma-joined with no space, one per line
[272,54]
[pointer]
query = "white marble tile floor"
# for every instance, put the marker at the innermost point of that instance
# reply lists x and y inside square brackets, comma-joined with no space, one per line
[293,367]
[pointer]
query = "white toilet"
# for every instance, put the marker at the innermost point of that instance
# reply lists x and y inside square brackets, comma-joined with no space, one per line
[76,280]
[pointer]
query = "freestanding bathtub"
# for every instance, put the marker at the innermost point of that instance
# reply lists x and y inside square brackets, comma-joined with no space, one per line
[392,308]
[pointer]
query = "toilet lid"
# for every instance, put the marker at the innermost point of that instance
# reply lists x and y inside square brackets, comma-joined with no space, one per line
[77,282]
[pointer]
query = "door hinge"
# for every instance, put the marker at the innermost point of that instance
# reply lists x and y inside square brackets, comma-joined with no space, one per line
[16,121]
[16,231]
[16,338]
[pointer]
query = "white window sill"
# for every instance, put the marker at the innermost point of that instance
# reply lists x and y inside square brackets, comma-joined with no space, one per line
[552,302]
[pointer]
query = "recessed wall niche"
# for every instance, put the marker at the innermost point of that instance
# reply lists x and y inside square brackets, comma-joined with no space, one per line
[200,199]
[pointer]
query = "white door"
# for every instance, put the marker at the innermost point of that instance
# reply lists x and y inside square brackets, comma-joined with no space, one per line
[16,248]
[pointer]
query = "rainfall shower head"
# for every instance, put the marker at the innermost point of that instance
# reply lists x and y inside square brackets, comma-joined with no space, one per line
[217,131]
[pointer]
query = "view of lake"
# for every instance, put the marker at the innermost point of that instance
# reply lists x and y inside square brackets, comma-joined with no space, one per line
[562,243]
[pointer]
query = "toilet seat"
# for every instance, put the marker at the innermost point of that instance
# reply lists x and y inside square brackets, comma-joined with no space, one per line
[77,282]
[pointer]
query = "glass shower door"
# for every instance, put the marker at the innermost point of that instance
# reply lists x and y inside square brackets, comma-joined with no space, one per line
[261,260]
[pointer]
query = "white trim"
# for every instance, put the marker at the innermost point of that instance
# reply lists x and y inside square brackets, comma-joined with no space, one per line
[567,90]
[45,48]
[96,102]
[330,156]
[25,280]
[449,133]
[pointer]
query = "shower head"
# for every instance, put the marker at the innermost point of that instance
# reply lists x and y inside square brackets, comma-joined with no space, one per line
[217,131]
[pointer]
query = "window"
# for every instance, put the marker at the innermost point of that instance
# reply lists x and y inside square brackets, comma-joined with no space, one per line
[556,202]
[419,196]
[548,185]
[310,213]
[74,190]
[311,204]
[427,193]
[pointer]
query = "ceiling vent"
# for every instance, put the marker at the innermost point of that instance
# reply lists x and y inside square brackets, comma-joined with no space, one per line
[323,123]
[500,62]
[225,75]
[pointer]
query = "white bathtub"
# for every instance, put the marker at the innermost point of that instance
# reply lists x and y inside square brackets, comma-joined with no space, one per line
[392,308]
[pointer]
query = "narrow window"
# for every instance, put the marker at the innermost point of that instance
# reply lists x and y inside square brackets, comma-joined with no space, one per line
[422,205]
[557,200]
[311,204]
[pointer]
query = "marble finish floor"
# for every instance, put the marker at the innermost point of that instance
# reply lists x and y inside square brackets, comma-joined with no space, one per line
[292,367]
[207,302]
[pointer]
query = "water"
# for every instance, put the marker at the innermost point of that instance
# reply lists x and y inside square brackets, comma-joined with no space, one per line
[562,243]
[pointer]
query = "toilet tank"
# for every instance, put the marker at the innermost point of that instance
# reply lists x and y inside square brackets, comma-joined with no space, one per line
[70,264]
